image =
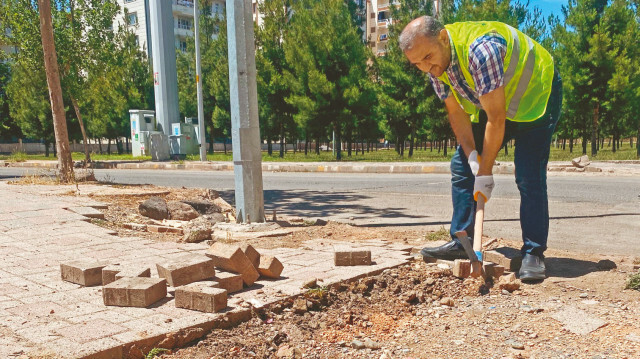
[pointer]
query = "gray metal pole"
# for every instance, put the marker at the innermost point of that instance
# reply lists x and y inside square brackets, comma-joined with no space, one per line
[164,64]
[201,130]
[245,129]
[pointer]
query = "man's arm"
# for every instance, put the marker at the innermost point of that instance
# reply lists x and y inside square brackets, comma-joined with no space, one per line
[493,104]
[460,124]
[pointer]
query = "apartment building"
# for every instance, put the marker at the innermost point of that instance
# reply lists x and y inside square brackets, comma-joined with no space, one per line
[136,13]
[378,21]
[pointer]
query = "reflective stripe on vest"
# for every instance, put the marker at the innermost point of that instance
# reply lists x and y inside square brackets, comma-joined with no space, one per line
[527,72]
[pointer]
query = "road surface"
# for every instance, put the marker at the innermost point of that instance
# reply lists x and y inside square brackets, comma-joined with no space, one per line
[589,214]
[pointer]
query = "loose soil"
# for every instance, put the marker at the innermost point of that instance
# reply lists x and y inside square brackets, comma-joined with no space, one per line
[420,310]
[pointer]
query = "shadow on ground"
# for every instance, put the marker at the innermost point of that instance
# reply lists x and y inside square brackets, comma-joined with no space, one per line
[562,267]
[323,204]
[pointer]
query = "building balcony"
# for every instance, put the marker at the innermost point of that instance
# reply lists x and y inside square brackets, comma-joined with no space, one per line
[183,7]
[180,32]
[384,23]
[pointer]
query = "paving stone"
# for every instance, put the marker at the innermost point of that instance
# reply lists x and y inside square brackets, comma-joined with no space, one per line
[163,229]
[252,254]
[270,267]
[87,212]
[135,226]
[462,268]
[132,271]
[109,273]
[83,272]
[578,321]
[201,297]
[134,292]
[509,258]
[186,269]
[232,258]
[231,282]
[492,270]
[345,256]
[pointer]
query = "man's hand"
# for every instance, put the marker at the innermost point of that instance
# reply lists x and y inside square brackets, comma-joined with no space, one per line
[483,186]
[474,162]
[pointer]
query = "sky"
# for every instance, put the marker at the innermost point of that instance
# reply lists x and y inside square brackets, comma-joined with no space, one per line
[548,6]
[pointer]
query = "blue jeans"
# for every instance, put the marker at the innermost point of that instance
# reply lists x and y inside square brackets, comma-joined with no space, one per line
[532,144]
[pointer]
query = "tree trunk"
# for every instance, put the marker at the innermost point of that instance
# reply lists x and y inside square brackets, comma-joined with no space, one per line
[100,145]
[338,142]
[269,146]
[318,146]
[211,134]
[281,141]
[225,145]
[444,146]
[126,141]
[412,140]
[46,149]
[65,164]
[594,130]
[306,144]
[108,146]
[571,141]
[506,149]
[87,158]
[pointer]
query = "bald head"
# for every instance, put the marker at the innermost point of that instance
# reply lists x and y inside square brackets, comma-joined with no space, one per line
[424,26]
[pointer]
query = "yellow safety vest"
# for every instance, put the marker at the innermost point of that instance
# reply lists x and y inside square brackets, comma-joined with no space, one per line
[528,69]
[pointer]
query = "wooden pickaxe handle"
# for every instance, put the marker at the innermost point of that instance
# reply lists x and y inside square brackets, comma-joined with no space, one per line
[476,268]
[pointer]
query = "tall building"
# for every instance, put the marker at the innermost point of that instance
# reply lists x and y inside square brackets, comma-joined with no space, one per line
[378,21]
[136,13]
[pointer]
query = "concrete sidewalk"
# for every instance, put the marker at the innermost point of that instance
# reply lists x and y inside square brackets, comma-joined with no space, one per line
[612,167]
[42,315]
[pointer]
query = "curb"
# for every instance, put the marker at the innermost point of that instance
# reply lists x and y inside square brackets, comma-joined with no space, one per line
[317,167]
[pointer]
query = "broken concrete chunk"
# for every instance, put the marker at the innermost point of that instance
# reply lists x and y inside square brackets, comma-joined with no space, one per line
[201,297]
[186,269]
[462,268]
[345,256]
[203,207]
[509,282]
[270,267]
[578,321]
[231,282]
[197,230]
[231,258]
[509,258]
[581,162]
[83,272]
[181,211]
[154,207]
[134,292]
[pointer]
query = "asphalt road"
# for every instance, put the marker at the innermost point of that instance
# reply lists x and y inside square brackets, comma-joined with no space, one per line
[589,214]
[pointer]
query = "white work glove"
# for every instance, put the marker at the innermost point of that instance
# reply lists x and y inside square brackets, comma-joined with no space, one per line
[474,162]
[483,185]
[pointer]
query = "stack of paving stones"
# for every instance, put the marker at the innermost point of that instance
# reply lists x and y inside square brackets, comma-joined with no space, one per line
[497,262]
[193,276]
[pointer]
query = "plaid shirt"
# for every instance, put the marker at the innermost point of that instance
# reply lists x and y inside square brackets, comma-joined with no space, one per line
[486,66]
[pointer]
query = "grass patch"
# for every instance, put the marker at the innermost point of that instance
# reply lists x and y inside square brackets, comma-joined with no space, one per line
[381,155]
[633,282]
[17,156]
[441,234]
[42,177]
[155,352]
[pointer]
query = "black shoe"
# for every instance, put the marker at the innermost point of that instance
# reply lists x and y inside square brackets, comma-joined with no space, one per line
[450,251]
[532,268]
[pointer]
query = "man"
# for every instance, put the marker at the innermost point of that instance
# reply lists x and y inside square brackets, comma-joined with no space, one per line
[497,84]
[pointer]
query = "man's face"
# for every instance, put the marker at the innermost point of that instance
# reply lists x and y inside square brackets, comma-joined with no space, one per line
[431,55]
